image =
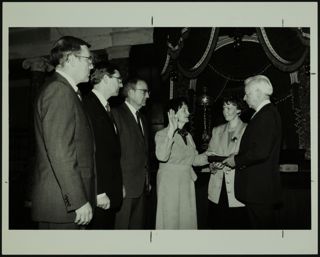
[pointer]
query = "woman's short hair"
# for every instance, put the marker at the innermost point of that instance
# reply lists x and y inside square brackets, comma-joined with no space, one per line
[64,46]
[100,69]
[176,103]
[235,100]
[173,104]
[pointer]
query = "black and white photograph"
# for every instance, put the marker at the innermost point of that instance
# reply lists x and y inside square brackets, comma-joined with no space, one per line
[142,128]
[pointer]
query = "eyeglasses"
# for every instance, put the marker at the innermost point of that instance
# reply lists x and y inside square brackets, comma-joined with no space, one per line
[118,78]
[144,91]
[89,58]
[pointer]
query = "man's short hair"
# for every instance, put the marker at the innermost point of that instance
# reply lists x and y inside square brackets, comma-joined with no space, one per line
[64,46]
[130,84]
[100,69]
[261,82]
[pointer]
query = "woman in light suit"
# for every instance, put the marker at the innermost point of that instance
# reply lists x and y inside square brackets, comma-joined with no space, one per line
[177,153]
[224,210]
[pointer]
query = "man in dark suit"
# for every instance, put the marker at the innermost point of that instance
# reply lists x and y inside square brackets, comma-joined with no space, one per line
[257,177]
[134,154]
[107,82]
[64,177]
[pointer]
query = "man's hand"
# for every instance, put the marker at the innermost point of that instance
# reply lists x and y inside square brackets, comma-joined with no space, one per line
[123,191]
[229,161]
[103,201]
[83,214]
[148,188]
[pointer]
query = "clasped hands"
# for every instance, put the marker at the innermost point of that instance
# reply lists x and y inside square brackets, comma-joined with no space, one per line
[229,162]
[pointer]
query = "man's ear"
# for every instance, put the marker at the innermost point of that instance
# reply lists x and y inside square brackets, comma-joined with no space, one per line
[106,77]
[71,59]
[130,91]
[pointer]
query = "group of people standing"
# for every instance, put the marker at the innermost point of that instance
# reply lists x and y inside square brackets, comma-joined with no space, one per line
[91,167]
[92,162]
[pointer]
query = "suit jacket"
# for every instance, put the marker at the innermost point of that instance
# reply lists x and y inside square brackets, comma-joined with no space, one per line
[221,145]
[109,176]
[64,176]
[134,151]
[257,178]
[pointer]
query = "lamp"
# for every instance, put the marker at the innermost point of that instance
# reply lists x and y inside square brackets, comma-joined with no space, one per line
[205,102]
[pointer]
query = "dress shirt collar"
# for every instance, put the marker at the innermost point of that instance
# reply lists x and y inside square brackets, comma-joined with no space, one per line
[102,100]
[263,103]
[132,109]
[69,79]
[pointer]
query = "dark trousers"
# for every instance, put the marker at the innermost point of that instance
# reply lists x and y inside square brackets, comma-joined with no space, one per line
[49,225]
[221,216]
[102,219]
[131,215]
[262,216]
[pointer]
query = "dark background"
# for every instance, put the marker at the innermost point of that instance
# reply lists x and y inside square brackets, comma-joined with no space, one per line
[220,74]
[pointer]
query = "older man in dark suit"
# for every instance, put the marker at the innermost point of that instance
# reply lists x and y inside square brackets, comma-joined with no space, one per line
[134,154]
[107,82]
[64,177]
[257,177]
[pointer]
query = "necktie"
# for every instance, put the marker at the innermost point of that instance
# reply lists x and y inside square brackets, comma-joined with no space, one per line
[108,107]
[139,121]
[183,133]
[79,94]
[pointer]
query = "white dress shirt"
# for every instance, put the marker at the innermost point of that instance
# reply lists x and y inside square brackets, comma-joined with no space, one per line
[69,79]
[102,100]
[263,103]
[133,111]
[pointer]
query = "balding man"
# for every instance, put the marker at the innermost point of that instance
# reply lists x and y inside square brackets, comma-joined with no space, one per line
[257,177]
[64,175]
[133,134]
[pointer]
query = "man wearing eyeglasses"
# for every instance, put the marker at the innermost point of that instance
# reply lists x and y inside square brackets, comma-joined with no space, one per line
[133,134]
[106,82]
[64,189]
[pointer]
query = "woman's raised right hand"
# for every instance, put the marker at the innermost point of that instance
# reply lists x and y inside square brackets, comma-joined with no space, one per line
[173,123]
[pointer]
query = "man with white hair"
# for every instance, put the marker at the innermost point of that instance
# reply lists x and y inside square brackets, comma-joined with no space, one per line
[257,177]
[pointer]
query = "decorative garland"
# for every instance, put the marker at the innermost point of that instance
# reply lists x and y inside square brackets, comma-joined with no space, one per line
[166,64]
[205,55]
[274,57]
[289,96]
[221,91]
[201,64]
[226,40]
[234,79]
[270,48]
